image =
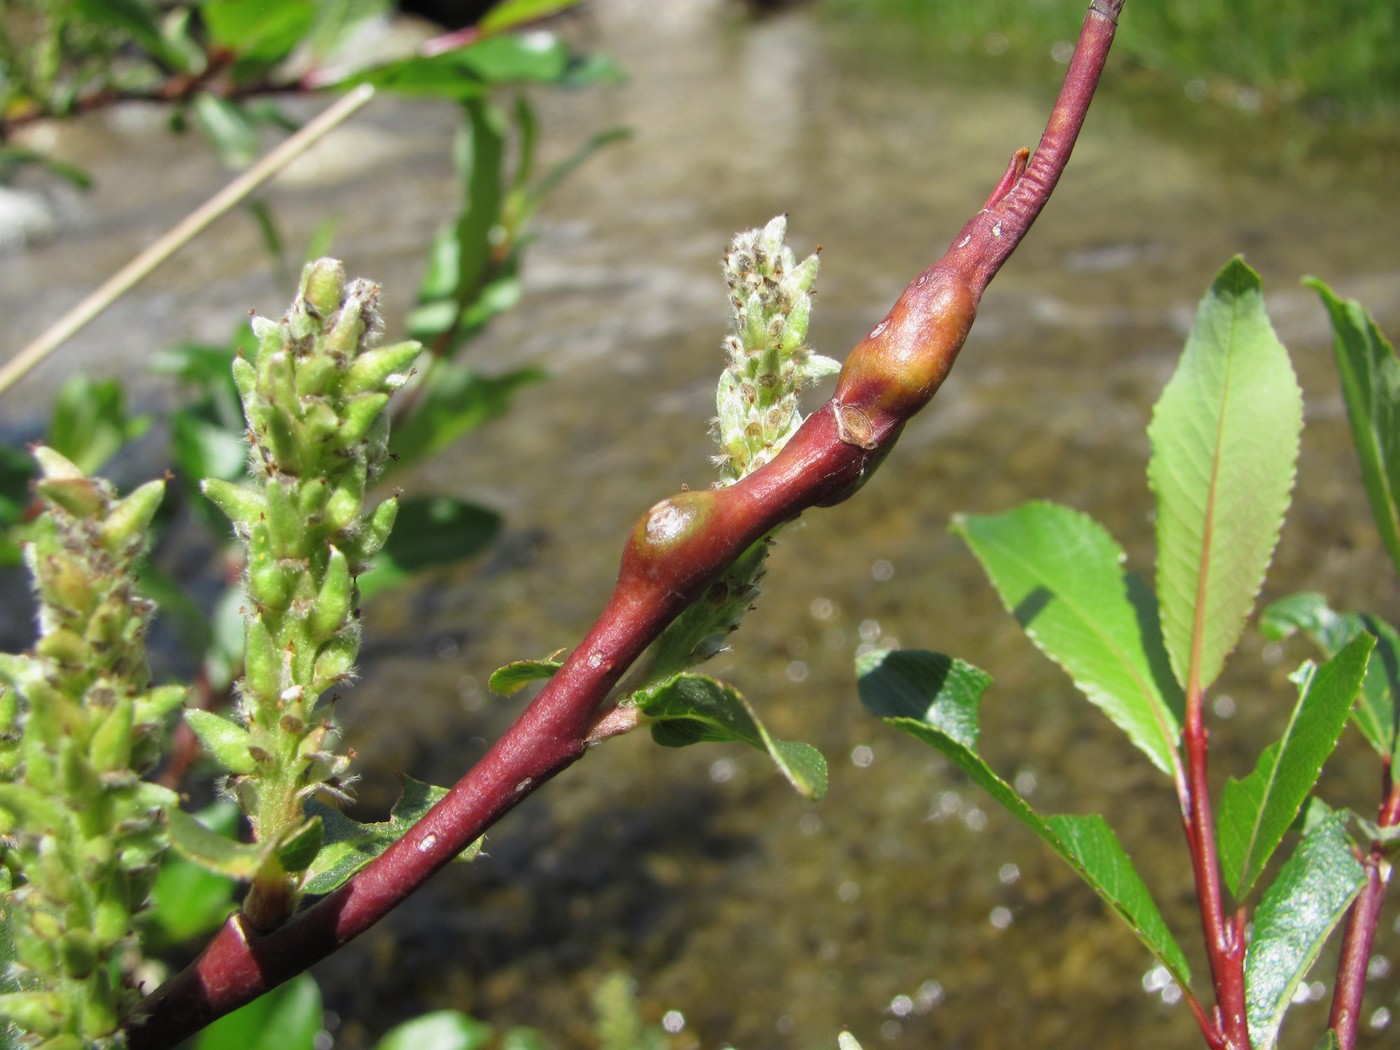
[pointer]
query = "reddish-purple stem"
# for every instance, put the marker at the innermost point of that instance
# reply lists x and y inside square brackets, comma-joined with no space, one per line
[1228,1027]
[678,548]
[1360,933]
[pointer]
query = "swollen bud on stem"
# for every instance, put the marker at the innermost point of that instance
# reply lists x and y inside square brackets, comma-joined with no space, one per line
[897,368]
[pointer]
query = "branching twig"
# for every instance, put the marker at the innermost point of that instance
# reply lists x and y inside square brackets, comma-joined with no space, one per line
[677,548]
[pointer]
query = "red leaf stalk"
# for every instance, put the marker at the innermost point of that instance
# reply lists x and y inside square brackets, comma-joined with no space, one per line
[680,545]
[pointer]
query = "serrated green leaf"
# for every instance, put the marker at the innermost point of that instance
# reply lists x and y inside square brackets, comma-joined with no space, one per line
[286,1018]
[1061,575]
[212,851]
[1370,376]
[439,1030]
[1224,440]
[1256,811]
[350,845]
[516,675]
[932,688]
[430,532]
[1086,843]
[1377,709]
[693,708]
[1294,919]
[455,400]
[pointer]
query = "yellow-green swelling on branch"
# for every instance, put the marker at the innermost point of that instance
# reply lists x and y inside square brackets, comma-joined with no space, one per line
[80,723]
[314,398]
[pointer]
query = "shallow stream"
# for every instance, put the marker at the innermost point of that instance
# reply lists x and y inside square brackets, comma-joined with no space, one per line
[903,906]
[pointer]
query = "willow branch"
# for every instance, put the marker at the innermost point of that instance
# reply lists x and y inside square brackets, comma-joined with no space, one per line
[680,545]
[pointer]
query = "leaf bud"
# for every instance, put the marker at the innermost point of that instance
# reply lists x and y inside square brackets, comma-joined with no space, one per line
[375,369]
[335,599]
[335,660]
[77,953]
[127,521]
[323,285]
[227,743]
[110,747]
[262,661]
[358,416]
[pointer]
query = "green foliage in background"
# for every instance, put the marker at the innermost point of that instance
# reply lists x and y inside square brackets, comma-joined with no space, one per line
[1224,439]
[1330,55]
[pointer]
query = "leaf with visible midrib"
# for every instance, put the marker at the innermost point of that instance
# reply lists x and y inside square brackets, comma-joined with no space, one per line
[1224,440]
[1371,387]
[934,699]
[1061,575]
[1256,811]
[1294,920]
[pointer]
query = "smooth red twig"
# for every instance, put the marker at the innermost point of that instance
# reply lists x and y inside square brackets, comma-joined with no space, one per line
[1227,1028]
[1362,921]
[676,550]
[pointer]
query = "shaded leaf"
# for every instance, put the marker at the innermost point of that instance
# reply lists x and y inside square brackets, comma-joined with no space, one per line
[510,13]
[350,845]
[286,1018]
[189,900]
[454,400]
[210,850]
[88,423]
[1256,811]
[258,31]
[692,708]
[516,675]
[1377,709]
[1224,448]
[1086,843]
[1061,575]
[1370,376]
[1294,919]
[931,688]
[439,1030]
[429,532]
[228,127]
[1329,1041]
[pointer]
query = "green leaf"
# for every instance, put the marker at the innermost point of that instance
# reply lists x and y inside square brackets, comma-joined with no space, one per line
[516,675]
[510,13]
[336,21]
[1224,448]
[212,851]
[1370,376]
[693,708]
[89,424]
[131,16]
[256,30]
[1377,709]
[439,1030]
[1256,811]
[514,58]
[1061,575]
[1329,1041]
[350,845]
[1294,919]
[429,532]
[454,400]
[228,128]
[1086,843]
[286,1018]
[188,900]
[931,688]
